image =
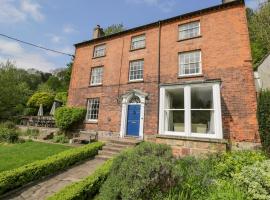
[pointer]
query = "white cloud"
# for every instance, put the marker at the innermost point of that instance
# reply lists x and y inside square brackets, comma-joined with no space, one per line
[69,29]
[254,4]
[165,6]
[13,51]
[32,9]
[55,38]
[13,12]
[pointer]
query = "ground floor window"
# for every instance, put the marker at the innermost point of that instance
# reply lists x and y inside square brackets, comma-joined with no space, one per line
[92,109]
[191,110]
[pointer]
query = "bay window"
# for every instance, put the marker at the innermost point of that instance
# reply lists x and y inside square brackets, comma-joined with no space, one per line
[191,110]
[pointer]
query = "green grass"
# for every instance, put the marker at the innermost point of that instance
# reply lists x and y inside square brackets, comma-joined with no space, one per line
[16,155]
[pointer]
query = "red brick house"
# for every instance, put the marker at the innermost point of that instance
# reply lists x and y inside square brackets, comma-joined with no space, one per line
[186,81]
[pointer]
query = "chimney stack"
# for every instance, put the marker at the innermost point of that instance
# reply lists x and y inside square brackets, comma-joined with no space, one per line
[227,1]
[98,32]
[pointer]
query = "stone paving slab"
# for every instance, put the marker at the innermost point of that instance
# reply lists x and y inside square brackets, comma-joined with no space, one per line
[47,187]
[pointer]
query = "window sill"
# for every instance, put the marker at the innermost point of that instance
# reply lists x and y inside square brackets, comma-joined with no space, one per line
[96,85]
[90,121]
[136,81]
[212,140]
[137,49]
[98,57]
[182,40]
[190,76]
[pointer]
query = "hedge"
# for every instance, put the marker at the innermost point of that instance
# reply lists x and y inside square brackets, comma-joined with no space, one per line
[87,188]
[20,176]
[264,118]
[44,98]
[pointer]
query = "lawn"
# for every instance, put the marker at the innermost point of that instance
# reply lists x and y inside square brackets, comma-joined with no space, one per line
[16,155]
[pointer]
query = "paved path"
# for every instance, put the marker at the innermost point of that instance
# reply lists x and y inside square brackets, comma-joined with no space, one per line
[47,187]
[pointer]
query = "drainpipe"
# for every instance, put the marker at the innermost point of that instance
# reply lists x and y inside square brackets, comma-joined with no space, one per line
[159,41]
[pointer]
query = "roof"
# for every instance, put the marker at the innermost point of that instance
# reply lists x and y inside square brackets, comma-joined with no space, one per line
[186,15]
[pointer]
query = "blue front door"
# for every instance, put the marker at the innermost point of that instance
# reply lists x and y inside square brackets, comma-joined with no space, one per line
[133,120]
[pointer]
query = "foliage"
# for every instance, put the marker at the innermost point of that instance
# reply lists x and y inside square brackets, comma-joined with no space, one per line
[30,111]
[115,28]
[60,139]
[61,96]
[259,28]
[44,98]
[66,117]
[8,124]
[145,172]
[195,178]
[19,154]
[226,190]
[87,188]
[32,133]
[20,176]
[255,180]
[228,164]
[14,89]
[264,118]
[8,135]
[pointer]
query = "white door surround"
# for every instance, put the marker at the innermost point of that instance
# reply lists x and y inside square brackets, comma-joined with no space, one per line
[125,102]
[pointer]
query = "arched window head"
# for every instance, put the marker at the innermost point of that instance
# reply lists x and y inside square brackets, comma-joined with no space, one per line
[135,99]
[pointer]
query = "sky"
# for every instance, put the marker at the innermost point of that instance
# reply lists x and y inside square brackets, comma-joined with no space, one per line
[59,24]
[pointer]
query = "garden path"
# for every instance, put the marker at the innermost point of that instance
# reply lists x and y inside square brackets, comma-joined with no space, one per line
[51,185]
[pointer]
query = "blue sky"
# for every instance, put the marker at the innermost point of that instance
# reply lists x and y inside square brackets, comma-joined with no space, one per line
[58,24]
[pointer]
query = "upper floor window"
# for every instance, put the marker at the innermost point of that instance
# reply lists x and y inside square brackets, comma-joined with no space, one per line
[96,76]
[99,50]
[92,109]
[189,30]
[136,70]
[190,63]
[138,42]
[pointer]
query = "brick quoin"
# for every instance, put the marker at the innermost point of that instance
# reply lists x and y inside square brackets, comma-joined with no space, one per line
[226,55]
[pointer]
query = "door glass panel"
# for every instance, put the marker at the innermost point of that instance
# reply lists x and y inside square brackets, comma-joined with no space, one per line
[201,98]
[202,121]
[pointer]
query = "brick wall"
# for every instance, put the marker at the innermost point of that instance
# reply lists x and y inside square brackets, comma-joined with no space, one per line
[225,55]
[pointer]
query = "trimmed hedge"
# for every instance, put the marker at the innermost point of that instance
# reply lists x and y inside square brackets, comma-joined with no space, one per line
[263,113]
[87,188]
[20,176]
[66,117]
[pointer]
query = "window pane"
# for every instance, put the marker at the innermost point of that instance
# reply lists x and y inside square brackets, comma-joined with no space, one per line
[138,42]
[175,98]
[202,121]
[190,63]
[136,70]
[201,98]
[175,121]
[99,51]
[92,109]
[96,75]
[189,30]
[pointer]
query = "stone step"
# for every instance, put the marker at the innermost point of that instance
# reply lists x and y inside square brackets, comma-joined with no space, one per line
[113,148]
[130,142]
[120,146]
[103,157]
[107,152]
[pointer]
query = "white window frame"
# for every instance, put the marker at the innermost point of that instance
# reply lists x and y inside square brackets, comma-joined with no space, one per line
[96,74]
[186,30]
[138,42]
[181,64]
[99,51]
[90,101]
[218,132]
[135,70]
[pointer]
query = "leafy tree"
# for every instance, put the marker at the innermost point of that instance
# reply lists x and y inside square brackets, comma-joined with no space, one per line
[259,27]
[115,28]
[44,98]
[14,91]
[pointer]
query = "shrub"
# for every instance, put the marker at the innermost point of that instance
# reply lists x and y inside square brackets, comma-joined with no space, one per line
[8,135]
[66,117]
[227,164]
[60,139]
[8,124]
[145,172]
[87,188]
[226,190]
[44,98]
[263,113]
[30,111]
[195,177]
[20,176]
[32,133]
[255,180]
[61,96]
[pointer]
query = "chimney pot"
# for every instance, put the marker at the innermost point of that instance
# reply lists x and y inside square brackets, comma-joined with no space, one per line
[98,32]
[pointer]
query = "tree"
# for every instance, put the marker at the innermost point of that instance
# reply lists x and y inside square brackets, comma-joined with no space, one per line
[44,98]
[14,91]
[115,28]
[259,27]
